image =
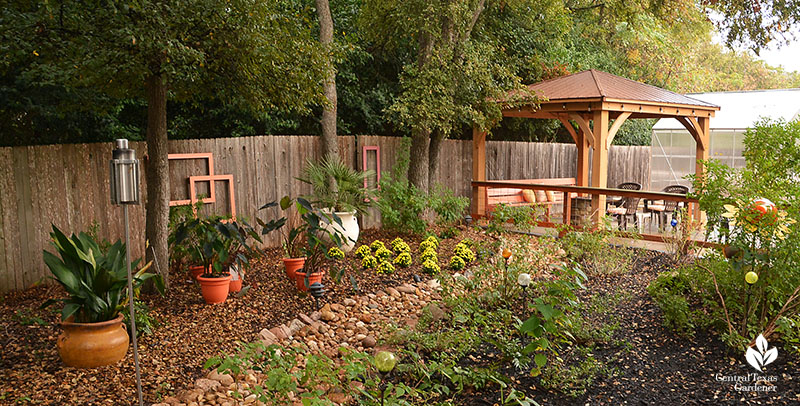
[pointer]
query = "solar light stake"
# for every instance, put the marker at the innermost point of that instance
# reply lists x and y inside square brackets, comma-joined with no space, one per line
[125,191]
[524,280]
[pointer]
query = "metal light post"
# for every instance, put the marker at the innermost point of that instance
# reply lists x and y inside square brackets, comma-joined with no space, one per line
[125,191]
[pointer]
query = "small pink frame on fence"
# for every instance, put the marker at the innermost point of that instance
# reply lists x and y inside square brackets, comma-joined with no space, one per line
[377,150]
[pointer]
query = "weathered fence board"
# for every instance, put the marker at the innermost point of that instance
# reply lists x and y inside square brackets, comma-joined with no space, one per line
[67,185]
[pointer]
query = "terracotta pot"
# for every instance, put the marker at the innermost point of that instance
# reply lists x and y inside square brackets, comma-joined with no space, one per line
[235,286]
[197,270]
[90,345]
[292,265]
[215,290]
[300,279]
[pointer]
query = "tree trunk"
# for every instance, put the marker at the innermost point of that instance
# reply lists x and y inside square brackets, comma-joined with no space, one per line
[330,145]
[157,172]
[418,165]
[434,150]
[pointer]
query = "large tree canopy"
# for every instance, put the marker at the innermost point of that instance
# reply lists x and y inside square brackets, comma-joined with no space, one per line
[249,53]
[666,44]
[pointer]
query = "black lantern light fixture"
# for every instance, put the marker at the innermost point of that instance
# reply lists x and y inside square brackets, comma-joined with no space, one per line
[124,180]
[317,291]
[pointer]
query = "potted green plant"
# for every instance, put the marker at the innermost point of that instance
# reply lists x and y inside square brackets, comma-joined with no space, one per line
[236,251]
[180,255]
[340,190]
[95,279]
[293,237]
[216,244]
[310,236]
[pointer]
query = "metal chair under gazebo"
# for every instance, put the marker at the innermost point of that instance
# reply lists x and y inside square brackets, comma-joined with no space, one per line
[662,209]
[626,206]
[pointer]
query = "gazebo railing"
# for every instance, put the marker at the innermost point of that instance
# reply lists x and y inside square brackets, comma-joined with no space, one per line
[567,192]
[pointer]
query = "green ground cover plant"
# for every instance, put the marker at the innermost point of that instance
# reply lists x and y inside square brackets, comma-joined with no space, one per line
[752,286]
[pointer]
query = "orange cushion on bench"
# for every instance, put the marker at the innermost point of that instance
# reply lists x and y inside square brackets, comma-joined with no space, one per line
[528,195]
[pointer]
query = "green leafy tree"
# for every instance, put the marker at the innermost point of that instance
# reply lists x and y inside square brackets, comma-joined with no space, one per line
[451,74]
[248,52]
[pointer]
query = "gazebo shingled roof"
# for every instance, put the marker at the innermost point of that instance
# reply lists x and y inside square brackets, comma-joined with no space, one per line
[598,97]
[593,84]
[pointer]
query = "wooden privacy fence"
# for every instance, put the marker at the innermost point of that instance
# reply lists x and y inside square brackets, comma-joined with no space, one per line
[67,185]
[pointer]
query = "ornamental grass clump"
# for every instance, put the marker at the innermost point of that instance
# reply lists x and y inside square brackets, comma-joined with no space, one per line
[403,260]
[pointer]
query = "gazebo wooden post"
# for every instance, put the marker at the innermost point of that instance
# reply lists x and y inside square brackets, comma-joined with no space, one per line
[599,164]
[582,178]
[703,145]
[478,171]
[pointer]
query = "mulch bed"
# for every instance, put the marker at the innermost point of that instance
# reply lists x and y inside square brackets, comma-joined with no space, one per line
[660,368]
[190,332]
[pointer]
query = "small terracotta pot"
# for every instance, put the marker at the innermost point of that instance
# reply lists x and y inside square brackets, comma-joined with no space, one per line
[235,285]
[300,279]
[197,270]
[215,290]
[90,345]
[292,265]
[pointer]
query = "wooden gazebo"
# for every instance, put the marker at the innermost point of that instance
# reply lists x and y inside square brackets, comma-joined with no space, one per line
[599,103]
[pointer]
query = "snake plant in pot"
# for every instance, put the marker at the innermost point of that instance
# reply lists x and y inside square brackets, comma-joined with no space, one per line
[95,279]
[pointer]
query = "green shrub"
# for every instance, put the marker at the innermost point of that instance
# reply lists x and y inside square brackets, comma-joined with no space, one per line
[448,207]
[758,238]
[401,204]
[669,291]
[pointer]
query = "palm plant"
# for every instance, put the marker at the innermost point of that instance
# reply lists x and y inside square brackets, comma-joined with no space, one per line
[336,185]
[94,278]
